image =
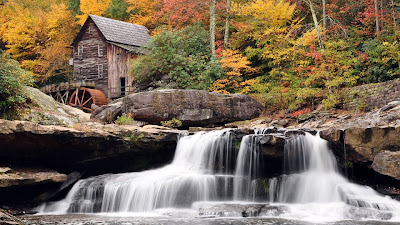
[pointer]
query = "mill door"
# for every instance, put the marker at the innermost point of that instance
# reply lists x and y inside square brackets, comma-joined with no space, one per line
[122,86]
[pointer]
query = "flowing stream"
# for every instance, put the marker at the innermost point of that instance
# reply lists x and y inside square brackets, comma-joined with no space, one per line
[210,175]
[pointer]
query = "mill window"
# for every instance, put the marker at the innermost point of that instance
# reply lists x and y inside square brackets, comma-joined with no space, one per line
[90,29]
[100,50]
[100,70]
[80,52]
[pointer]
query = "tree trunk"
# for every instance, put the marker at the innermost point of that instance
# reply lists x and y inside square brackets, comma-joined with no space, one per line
[324,13]
[226,35]
[314,16]
[212,28]
[376,18]
[394,18]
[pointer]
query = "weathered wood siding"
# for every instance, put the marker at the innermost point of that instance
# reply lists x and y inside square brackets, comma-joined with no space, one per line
[118,60]
[90,58]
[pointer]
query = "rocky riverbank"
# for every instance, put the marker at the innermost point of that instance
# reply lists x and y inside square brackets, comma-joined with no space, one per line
[39,162]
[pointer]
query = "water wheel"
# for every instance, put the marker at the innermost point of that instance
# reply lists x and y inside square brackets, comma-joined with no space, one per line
[83,98]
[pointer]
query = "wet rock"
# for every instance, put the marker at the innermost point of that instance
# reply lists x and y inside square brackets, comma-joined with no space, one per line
[231,210]
[269,210]
[7,219]
[387,163]
[273,145]
[192,107]
[357,213]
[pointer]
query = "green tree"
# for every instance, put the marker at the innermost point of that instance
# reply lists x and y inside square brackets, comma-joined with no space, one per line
[178,59]
[74,6]
[118,9]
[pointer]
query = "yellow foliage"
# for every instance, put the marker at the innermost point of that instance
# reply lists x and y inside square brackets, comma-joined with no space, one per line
[145,11]
[95,7]
[268,16]
[37,34]
[236,65]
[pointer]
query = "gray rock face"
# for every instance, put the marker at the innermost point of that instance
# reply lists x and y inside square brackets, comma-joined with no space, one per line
[192,107]
[363,144]
[387,163]
[86,147]
[379,146]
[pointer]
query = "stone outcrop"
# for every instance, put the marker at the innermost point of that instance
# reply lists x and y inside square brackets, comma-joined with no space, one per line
[387,163]
[22,186]
[363,144]
[370,146]
[28,177]
[192,107]
[90,148]
[45,110]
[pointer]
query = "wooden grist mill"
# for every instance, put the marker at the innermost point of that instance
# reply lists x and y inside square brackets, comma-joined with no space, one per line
[101,53]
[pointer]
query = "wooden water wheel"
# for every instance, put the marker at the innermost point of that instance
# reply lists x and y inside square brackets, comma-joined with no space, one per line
[83,98]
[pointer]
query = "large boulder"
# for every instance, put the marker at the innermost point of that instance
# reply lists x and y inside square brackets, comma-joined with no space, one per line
[192,107]
[47,111]
[387,163]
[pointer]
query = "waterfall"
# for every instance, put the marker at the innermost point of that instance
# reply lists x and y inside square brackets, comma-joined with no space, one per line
[201,164]
[312,177]
[208,167]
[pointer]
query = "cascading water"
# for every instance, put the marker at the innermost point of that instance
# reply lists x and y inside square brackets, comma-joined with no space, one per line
[312,181]
[207,167]
[201,164]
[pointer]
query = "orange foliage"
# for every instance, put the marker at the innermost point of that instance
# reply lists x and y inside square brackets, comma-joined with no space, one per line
[236,65]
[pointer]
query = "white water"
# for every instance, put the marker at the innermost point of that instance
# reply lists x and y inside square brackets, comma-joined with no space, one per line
[318,192]
[207,167]
[201,163]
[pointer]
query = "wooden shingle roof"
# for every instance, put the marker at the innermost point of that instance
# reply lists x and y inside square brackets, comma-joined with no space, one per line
[122,32]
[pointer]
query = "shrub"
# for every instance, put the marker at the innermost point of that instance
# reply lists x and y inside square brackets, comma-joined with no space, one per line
[174,123]
[12,80]
[125,120]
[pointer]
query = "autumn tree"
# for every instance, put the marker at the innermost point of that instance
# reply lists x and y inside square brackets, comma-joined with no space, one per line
[237,67]
[37,34]
[95,7]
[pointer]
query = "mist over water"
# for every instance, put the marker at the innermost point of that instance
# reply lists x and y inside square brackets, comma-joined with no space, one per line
[209,169]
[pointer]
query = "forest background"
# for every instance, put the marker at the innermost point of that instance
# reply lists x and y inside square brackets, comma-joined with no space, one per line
[291,55]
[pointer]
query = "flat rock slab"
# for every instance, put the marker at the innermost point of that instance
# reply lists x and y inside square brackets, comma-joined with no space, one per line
[23,177]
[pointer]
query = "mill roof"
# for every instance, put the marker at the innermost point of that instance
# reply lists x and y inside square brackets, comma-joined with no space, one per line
[119,32]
